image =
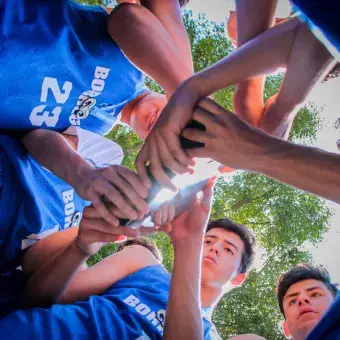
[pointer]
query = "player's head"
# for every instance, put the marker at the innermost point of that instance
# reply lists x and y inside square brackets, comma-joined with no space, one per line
[228,252]
[143,242]
[142,113]
[304,293]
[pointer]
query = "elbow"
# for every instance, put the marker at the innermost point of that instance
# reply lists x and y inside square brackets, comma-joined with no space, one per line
[123,16]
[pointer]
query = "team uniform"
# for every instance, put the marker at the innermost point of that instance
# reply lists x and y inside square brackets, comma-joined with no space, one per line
[133,308]
[35,203]
[322,17]
[329,326]
[61,68]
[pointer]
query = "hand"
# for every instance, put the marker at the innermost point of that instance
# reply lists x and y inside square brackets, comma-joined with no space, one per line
[115,191]
[194,221]
[162,147]
[94,232]
[162,219]
[227,138]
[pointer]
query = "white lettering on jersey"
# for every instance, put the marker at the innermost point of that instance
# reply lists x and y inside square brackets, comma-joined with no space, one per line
[72,218]
[143,337]
[52,84]
[155,318]
[86,101]
[38,115]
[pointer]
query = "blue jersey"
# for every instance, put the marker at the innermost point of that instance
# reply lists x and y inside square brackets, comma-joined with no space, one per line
[33,203]
[60,67]
[322,17]
[133,308]
[329,326]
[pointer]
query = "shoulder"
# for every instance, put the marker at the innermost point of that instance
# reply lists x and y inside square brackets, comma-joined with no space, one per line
[141,256]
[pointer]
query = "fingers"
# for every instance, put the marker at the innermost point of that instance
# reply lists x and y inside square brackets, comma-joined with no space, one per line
[141,160]
[157,168]
[101,208]
[133,179]
[208,119]
[207,196]
[212,107]
[99,236]
[195,135]
[99,225]
[174,145]
[168,160]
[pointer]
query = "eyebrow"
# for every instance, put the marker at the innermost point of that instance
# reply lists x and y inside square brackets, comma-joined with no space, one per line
[225,241]
[296,294]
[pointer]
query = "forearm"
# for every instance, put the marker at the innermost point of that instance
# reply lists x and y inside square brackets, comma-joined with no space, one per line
[145,41]
[306,168]
[183,320]
[253,18]
[169,14]
[49,283]
[52,151]
[261,55]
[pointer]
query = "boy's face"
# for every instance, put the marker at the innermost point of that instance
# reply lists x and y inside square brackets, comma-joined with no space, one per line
[146,112]
[304,304]
[222,253]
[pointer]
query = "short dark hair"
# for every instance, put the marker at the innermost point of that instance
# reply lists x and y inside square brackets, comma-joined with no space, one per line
[144,242]
[244,234]
[301,272]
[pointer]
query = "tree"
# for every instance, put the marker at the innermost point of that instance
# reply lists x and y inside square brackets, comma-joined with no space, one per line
[283,218]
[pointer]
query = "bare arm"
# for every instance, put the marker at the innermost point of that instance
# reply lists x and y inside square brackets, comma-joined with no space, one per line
[52,151]
[234,143]
[168,12]
[146,42]
[184,320]
[183,311]
[57,279]
[261,55]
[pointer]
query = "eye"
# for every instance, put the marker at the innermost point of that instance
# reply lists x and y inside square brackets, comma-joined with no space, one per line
[207,242]
[292,302]
[229,251]
[315,295]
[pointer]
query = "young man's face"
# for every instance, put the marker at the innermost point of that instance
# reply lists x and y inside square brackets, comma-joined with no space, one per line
[146,112]
[304,304]
[222,253]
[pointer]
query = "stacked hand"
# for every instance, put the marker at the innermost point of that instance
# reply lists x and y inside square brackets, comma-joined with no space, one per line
[162,147]
[115,192]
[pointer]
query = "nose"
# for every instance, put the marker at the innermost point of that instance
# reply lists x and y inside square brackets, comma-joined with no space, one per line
[214,249]
[304,300]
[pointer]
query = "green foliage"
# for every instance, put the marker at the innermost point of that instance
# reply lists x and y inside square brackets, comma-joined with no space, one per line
[282,217]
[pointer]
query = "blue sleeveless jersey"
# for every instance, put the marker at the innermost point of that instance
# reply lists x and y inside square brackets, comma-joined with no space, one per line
[329,326]
[33,203]
[60,67]
[133,308]
[322,17]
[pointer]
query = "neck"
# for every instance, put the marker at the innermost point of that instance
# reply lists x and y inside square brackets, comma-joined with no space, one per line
[210,295]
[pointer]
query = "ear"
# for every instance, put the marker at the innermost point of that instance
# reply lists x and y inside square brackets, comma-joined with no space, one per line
[239,279]
[286,330]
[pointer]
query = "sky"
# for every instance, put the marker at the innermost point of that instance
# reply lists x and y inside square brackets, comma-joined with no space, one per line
[326,96]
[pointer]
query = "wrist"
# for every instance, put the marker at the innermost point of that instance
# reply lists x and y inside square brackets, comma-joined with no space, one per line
[81,249]
[82,173]
[191,244]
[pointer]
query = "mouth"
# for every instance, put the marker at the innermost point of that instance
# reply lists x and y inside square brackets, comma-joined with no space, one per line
[210,259]
[152,120]
[306,311]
